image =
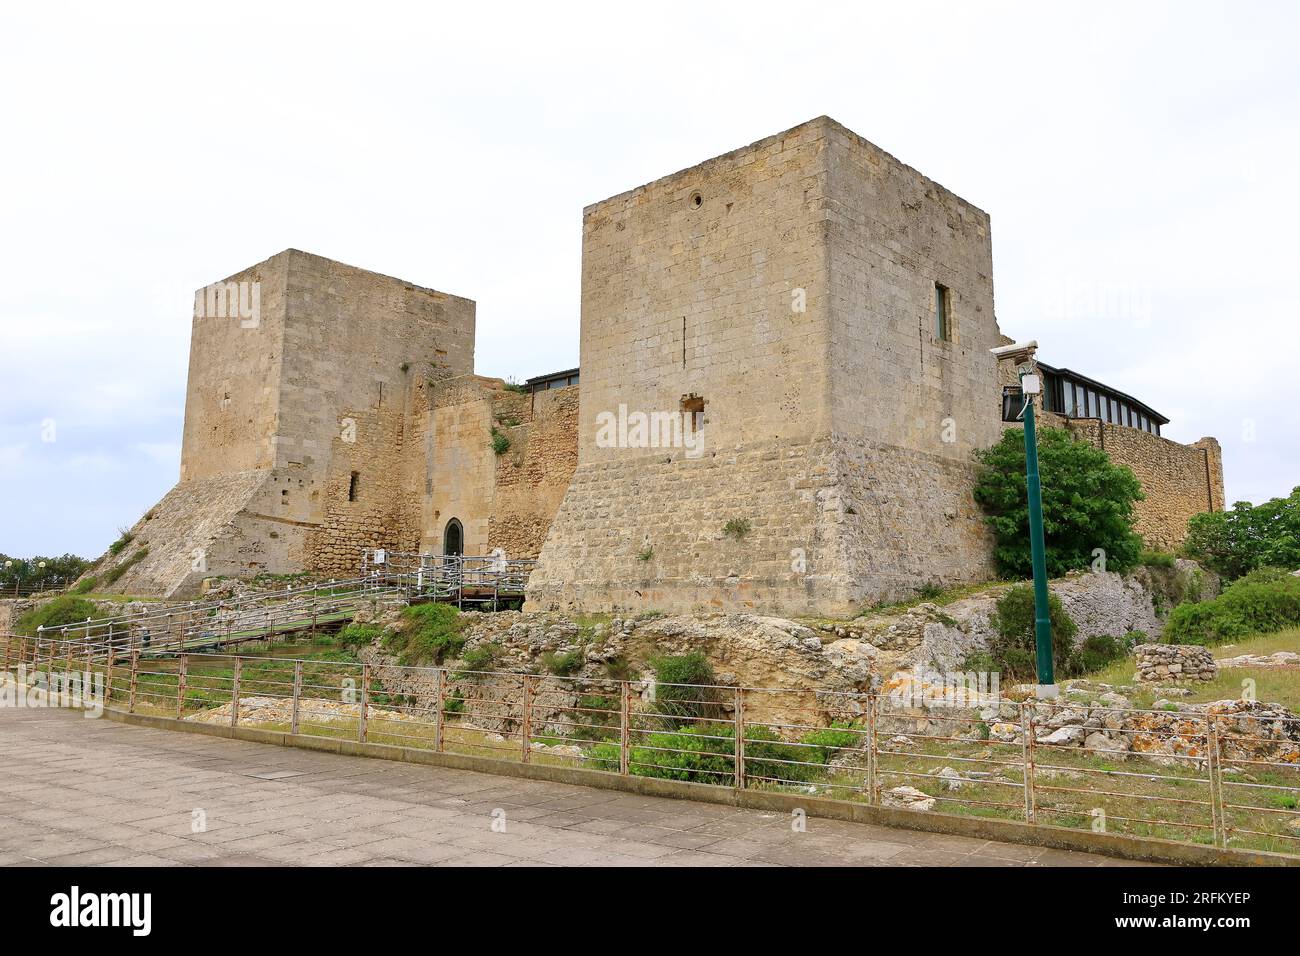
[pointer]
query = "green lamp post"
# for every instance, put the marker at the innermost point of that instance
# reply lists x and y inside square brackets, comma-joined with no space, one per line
[1031,385]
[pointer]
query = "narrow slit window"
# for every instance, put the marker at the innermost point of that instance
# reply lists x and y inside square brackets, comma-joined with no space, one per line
[352,486]
[941,323]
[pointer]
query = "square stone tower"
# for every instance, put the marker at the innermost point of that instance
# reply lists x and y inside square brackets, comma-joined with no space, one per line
[305,375]
[822,313]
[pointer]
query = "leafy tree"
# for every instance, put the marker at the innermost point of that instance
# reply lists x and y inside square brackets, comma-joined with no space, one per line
[1235,542]
[27,572]
[1087,503]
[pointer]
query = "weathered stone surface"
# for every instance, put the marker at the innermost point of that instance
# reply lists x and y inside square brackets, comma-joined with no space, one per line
[1158,663]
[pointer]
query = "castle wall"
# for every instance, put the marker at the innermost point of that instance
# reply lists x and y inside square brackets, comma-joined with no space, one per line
[359,347]
[908,407]
[533,475]
[504,501]
[723,299]
[186,537]
[283,408]
[233,390]
[837,429]
[464,465]
[1179,481]
[354,341]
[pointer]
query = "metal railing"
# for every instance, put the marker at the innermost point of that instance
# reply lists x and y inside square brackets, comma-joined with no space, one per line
[174,628]
[454,578]
[1226,779]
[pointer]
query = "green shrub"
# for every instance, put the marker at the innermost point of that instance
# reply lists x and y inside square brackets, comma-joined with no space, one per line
[737,528]
[618,668]
[1097,652]
[1087,503]
[831,741]
[62,610]
[1263,601]
[455,704]
[500,441]
[480,658]
[706,753]
[427,634]
[562,665]
[86,585]
[1013,650]
[1156,559]
[124,538]
[358,635]
[766,755]
[597,717]
[677,690]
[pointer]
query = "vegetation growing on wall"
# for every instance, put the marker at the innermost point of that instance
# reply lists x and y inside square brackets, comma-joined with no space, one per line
[1012,652]
[115,575]
[358,635]
[1087,504]
[737,528]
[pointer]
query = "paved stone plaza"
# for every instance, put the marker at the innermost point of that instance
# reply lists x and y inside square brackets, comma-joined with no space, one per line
[87,792]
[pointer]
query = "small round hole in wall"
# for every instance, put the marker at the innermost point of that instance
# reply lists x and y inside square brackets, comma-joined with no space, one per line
[696,200]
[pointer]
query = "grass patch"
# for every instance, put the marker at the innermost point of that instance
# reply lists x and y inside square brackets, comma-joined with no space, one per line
[67,609]
[562,665]
[115,575]
[124,538]
[480,658]
[427,634]
[1270,685]
[359,635]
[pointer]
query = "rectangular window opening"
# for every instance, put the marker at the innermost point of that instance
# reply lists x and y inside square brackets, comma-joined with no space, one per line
[942,325]
[352,486]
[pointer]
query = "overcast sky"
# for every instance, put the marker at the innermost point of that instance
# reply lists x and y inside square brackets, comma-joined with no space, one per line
[1138,161]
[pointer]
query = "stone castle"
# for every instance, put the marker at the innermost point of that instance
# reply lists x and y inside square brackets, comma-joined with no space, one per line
[804,322]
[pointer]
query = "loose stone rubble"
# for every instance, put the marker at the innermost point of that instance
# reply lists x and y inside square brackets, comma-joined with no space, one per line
[1279,659]
[279,710]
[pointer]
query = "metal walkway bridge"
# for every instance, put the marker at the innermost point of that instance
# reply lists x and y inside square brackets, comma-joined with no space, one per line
[387,578]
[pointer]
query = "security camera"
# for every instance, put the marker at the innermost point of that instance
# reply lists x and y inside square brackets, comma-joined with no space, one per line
[1018,352]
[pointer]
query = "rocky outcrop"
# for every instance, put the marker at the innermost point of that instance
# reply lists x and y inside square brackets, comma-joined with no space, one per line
[1283,660]
[743,649]
[942,638]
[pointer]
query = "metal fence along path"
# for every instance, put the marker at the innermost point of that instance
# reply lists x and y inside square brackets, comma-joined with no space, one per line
[1227,779]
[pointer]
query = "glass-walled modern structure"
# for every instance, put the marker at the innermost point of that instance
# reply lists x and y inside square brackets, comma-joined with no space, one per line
[1077,396]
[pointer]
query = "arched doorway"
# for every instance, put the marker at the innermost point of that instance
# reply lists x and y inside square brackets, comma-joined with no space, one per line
[453,538]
